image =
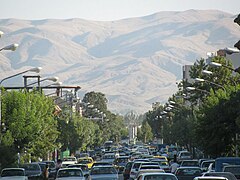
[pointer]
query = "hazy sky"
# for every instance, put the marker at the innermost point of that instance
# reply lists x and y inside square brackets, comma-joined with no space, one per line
[105,10]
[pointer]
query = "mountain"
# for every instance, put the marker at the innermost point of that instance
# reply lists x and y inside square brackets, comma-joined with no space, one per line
[134,62]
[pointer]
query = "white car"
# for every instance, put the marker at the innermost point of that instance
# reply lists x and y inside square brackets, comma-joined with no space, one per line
[70,174]
[103,172]
[147,176]
[69,160]
[210,178]
[13,173]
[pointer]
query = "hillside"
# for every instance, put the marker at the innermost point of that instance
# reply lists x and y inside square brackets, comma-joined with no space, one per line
[134,62]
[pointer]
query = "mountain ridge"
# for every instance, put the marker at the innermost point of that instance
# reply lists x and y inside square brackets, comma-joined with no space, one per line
[134,61]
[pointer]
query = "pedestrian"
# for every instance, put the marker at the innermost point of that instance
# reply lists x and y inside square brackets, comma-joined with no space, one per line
[174,165]
[46,172]
[58,166]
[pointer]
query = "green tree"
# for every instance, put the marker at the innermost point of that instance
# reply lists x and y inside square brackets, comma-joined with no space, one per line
[146,132]
[29,122]
[218,123]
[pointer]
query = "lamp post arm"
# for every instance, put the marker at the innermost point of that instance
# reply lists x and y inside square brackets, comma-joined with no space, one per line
[230,68]
[13,76]
[210,82]
[202,90]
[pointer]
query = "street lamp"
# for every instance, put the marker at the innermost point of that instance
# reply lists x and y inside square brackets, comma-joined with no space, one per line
[37,70]
[229,50]
[214,64]
[207,72]
[190,88]
[55,84]
[1,33]
[210,82]
[11,47]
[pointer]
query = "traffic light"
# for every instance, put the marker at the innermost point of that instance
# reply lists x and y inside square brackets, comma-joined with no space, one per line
[237,20]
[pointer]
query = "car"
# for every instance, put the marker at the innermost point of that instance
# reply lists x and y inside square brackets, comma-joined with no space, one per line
[120,163]
[108,157]
[70,174]
[69,160]
[188,173]
[227,175]
[32,170]
[126,170]
[155,175]
[143,167]
[103,172]
[52,168]
[163,164]
[101,164]
[143,171]
[234,169]
[183,155]
[13,173]
[220,162]
[205,164]
[210,178]
[189,163]
[136,165]
[161,157]
[86,160]
[83,167]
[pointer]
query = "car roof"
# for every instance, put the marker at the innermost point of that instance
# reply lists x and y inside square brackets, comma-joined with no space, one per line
[69,168]
[104,166]
[13,169]
[189,167]
[155,173]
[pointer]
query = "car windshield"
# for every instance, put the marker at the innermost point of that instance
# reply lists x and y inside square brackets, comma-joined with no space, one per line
[185,154]
[84,168]
[122,160]
[69,159]
[189,163]
[70,173]
[12,172]
[50,164]
[136,165]
[31,167]
[103,170]
[84,161]
[109,157]
[189,172]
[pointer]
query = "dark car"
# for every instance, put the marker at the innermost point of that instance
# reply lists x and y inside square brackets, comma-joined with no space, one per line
[126,170]
[52,168]
[227,175]
[189,163]
[32,170]
[188,173]
[120,163]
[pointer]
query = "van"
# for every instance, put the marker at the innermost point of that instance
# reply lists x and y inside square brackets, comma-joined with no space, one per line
[225,161]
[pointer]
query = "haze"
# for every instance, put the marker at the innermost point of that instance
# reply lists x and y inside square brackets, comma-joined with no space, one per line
[105,10]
